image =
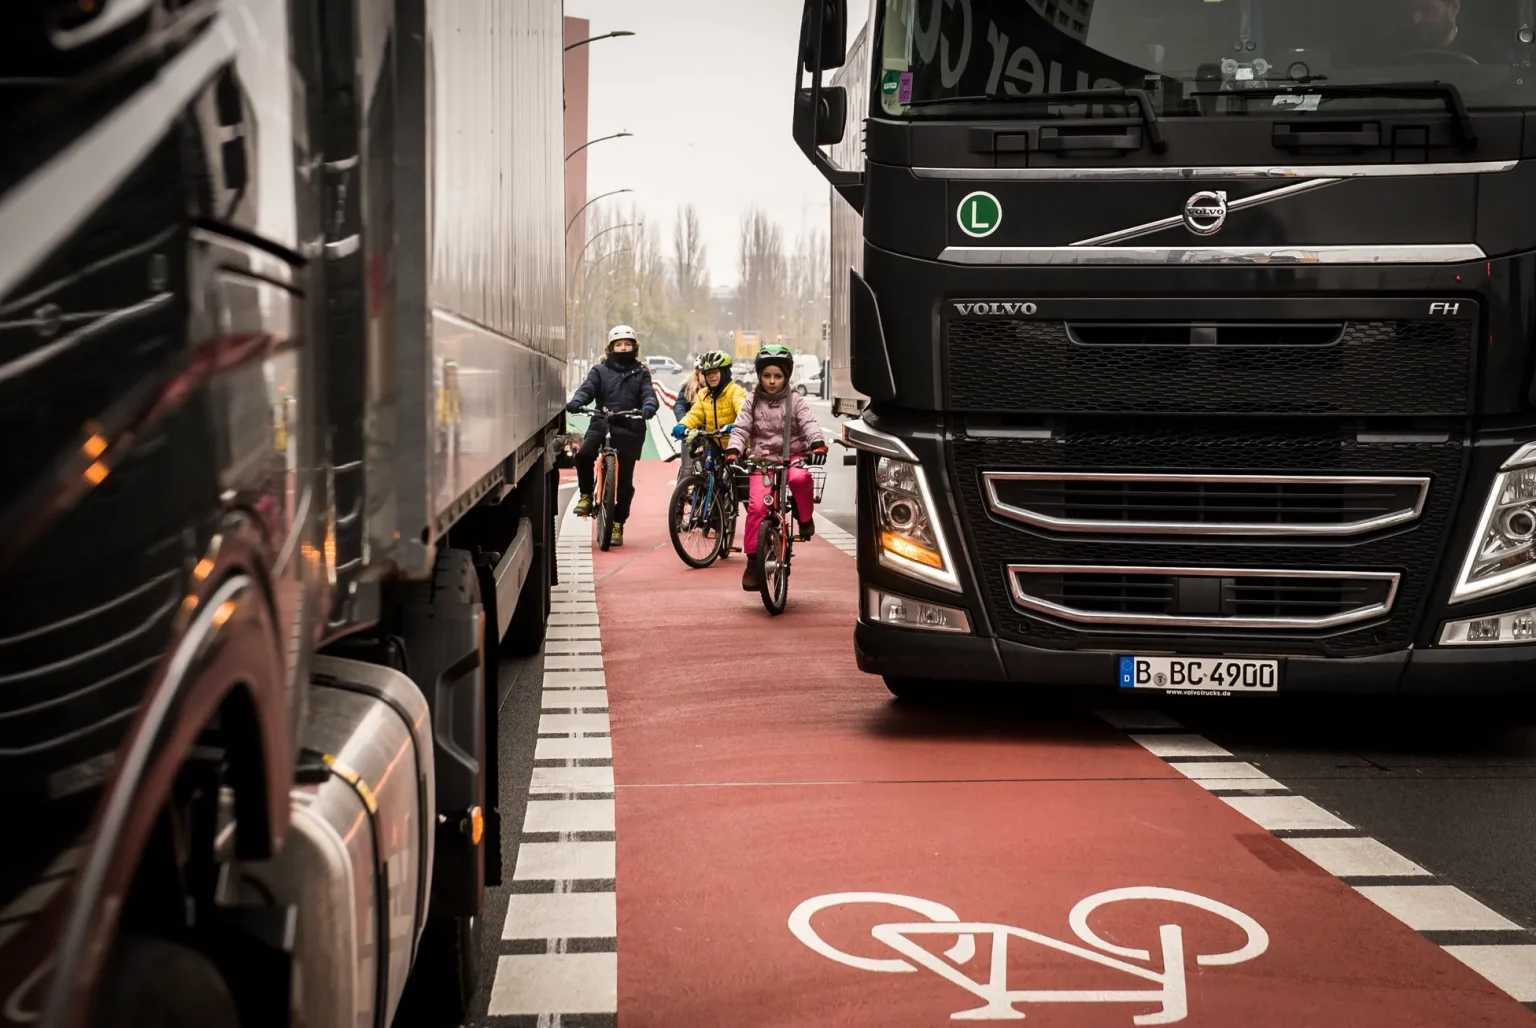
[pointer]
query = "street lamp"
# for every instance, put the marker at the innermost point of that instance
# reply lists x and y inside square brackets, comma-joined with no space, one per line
[594,39]
[583,146]
[589,203]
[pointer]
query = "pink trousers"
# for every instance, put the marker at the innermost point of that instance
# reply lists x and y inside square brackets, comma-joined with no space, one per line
[800,486]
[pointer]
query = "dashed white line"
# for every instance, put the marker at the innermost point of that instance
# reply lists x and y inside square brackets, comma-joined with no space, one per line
[1435,908]
[571,779]
[567,983]
[566,724]
[561,915]
[574,748]
[575,699]
[1344,852]
[563,861]
[569,816]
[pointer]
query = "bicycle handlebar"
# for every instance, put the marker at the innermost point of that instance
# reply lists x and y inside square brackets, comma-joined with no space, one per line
[595,412]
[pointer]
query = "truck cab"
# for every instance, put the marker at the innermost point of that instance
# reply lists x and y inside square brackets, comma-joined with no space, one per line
[1186,341]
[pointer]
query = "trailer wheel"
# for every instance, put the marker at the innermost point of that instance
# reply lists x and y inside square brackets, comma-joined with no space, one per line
[154,983]
[525,632]
[445,660]
[447,972]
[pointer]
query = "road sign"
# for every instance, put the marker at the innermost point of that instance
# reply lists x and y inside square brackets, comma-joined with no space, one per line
[979,214]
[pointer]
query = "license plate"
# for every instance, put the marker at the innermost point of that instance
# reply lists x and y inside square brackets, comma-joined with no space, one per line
[1199,674]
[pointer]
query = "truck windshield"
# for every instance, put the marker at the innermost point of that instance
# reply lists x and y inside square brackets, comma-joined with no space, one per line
[937,54]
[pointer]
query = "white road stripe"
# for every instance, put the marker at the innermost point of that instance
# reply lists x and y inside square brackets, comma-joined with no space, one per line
[556,983]
[569,816]
[571,779]
[1282,813]
[1346,857]
[563,861]
[1511,968]
[567,748]
[1435,908]
[575,699]
[573,607]
[572,646]
[1260,784]
[573,662]
[573,620]
[1180,746]
[575,680]
[566,724]
[1219,769]
[561,915]
[572,632]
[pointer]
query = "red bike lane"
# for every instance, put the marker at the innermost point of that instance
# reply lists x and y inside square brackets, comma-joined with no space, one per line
[795,849]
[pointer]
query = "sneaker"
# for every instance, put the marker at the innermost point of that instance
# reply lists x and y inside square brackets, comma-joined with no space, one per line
[807,529]
[616,538]
[749,581]
[583,506]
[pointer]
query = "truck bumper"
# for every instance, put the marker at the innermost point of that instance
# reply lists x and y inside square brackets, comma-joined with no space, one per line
[910,653]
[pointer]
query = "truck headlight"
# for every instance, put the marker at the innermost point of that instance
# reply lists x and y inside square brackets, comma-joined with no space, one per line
[911,539]
[1502,554]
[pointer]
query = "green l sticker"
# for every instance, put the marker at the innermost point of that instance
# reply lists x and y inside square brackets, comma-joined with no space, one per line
[889,82]
[979,214]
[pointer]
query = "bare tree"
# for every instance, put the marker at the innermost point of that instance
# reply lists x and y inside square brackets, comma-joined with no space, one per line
[690,268]
[762,270]
[810,288]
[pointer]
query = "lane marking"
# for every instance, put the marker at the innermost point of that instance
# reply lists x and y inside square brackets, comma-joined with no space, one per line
[572,779]
[566,983]
[1167,971]
[1286,813]
[561,915]
[564,898]
[568,816]
[1431,908]
[1440,911]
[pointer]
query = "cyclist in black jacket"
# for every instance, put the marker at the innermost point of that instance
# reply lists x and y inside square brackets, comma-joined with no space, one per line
[618,383]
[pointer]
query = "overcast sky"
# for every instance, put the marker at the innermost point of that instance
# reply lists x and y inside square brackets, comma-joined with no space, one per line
[705,87]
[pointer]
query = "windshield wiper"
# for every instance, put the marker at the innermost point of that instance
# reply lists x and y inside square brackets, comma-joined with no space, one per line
[1443,91]
[1137,96]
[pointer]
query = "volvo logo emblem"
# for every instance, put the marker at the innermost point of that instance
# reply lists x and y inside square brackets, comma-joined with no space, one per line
[1205,213]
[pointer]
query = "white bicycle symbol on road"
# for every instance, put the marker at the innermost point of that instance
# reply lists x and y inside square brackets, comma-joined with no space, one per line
[1170,991]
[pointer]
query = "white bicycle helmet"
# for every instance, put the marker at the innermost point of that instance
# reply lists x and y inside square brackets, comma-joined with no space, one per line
[622,332]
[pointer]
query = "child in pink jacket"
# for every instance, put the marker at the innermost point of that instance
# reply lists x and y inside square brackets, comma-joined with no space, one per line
[773,409]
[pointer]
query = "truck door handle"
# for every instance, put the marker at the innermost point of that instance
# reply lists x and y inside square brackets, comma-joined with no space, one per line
[1055,139]
[1351,134]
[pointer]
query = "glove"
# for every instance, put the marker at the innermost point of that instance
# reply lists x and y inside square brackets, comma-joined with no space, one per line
[649,412]
[571,408]
[818,456]
[679,431]
[733,455]
[726,428]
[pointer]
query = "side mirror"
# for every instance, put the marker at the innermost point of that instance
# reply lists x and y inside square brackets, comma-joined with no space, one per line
[829,19]
[831,117]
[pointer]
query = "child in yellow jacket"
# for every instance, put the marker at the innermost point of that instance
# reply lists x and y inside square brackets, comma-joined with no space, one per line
[716,405]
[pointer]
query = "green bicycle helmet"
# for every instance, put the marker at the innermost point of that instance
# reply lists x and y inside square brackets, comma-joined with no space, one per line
[714,360]
[775,354]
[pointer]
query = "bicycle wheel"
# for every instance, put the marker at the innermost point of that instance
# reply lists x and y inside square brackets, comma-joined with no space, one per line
[697,535]
[772,565]
[608,500]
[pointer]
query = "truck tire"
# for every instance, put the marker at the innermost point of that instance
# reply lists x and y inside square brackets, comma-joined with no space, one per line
[913,690]
[447,969]
[525,632]
[446,974]
[154,983]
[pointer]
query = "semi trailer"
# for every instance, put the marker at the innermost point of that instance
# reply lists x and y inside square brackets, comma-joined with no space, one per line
[1185,346]
[281,364]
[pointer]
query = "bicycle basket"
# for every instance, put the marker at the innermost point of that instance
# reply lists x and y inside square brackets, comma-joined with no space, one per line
[818,480]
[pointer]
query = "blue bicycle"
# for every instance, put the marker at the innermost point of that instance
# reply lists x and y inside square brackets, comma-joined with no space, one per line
[702,515]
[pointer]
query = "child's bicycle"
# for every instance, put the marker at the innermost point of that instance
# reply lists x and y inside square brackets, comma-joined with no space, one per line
[775,544]
[606,494]
[701,517]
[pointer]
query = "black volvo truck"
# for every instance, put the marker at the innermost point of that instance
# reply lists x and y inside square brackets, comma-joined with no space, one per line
[1188,342]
